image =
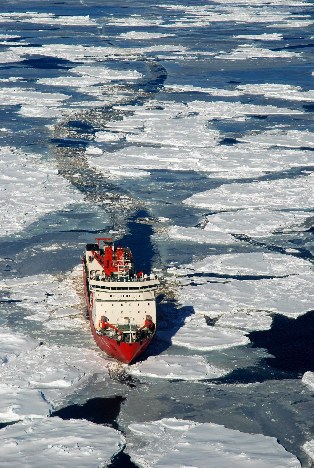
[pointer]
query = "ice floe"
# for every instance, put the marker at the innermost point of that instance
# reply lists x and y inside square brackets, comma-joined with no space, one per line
[18,403]
[308,379]
[148,136]
[260,37]
[228,110]
[197,335]
[243,304]
[222,228]
[278,91]
[176,367]
[33,103]
[89,76]
[177,442]
[285,194]
[134,21]
[238,161]
[196,16]
[279,137]
[186,88]
[144,35]
[203,16]
[46,18]
[45,296]
[55,442]
[271,3]
[308,447]
[244,264]
[55,371]
[29,190]
[291,296]
[253,222]
[194,234]
[91,54]
[246,51]
[13,344]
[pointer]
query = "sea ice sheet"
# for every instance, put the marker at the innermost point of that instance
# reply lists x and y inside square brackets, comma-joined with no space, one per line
[255,222]
[194,234]
[308,447]
[54,442]
[176,367]
[21,403]
[295,193]
[243,264]
[197,335]
[176,443]
[13,343]
[45,296]
[279,137]
[249,288]
[29,190]
[55,371]
[278,91]
[291,296]
[308,379]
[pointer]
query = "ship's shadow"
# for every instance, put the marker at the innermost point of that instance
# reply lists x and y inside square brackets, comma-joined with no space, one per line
[170,318]
[97,410]
[290,341]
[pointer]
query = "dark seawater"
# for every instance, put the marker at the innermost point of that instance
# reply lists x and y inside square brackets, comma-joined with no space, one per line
[97,410]
[290,341]
[122,460]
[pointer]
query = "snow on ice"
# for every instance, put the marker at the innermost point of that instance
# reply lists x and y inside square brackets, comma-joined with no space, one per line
[13,344]
[194,234]
[286,193]
[55,442]
[18,403]
[244,264]
[278,91]
[45,297]
[30,190]
[308,379]
[177,442]
[154,145]
[197,335]
[176,367]
[255,222]
[279,137]
[219,228]
[247,52]
[308,447]
[290,296]
[55,371]
[46,18]
[244,304]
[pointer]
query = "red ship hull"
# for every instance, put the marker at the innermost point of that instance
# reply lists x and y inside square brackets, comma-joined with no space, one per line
[122,351]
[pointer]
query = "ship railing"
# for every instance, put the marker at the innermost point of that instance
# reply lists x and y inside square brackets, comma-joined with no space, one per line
[125,278]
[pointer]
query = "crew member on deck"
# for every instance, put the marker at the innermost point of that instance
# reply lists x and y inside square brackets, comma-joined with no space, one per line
[103,323]
[148,324]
